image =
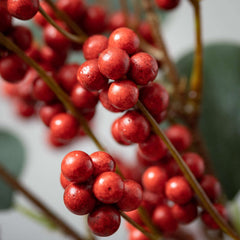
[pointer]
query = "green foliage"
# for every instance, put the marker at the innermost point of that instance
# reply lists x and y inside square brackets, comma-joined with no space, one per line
[220,120]
[12,157]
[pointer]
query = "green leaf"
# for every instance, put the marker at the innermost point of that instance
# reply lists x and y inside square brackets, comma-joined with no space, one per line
[220,120]
[12,157]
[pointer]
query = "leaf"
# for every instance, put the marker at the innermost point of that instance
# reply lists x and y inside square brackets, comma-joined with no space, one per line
[220,120]
[12,157]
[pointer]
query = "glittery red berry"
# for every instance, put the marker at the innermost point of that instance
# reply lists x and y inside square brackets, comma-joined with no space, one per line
[104,221]
[113,63]
[108,187]
[77,166]
[178,190]
[79,199]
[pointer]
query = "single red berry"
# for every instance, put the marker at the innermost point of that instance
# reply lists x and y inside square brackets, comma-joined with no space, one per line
[143,68]
[113,63]
[103,97]
[79,199]
[154,179]
[209,221]
[145,31]
[67,76]
[155,98]
[94,20]
[64,126]
[102,162]
[135,234]
[56,142]
[142,159]
[104,221]
[64,181]
[54,39]
[90,77]
[185,213]
[153,148]
[9,89]
[94,45]
[167,4]
[123,94]
[108,187]
[180,137]
[162,217]
[134,127]
[195,163]
[77,166]
[12,68]
[23,9]
[39,19]
[117,20]
[171,167]
[124,38]
[118,135]
[83,98]
[178,190]
[33,52]
[5,19]
[25,108]
[132,196]
[211,186]
[48,111]
[74,8]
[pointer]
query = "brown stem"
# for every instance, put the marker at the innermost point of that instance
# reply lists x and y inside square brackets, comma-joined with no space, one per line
[206,203]
[155,26]
[6,176]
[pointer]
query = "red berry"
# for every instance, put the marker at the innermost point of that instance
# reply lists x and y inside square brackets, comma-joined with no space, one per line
[90,77]
[25,108]
[143,68]
[124,38]
[64,126]
[211,186]
[135,234]
[23,9]
[5,19]
[12,68]
[134,127]
[145,31]
[77,166]
[83,98]
[113,63]
[108,187]
[167,4]
[48,111]
[154,179]
[123,94]
[132,196]
[102,162]
[94,45]
[162,217]
[180,137]
[135,216]
[195,163]
[67,76]
[94,20]
[155,98]
[56,142]
[116,20]
[79,199]
[104,221]
[185,213]
[178,190]
[64,182]
[209,221]
[153,148]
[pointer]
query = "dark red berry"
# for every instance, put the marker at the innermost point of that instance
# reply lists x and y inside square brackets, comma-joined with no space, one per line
[113,63]
[25,108]
[132,196]
[104,221]
[123,94]
[23,9]
[64,126]
[108,187]
[178,190]
[94,45]
[64,181]
[102,162]
[167,4]
[77,166]
[5,19]
[90,77]
[79,199]
[154,179]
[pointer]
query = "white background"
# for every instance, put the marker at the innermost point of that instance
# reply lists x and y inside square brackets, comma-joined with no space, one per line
[221,19]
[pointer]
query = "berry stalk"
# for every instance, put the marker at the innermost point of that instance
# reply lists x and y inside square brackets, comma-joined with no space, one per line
[189,176]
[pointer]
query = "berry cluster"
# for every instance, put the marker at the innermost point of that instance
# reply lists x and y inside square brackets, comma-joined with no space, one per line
[92,187]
